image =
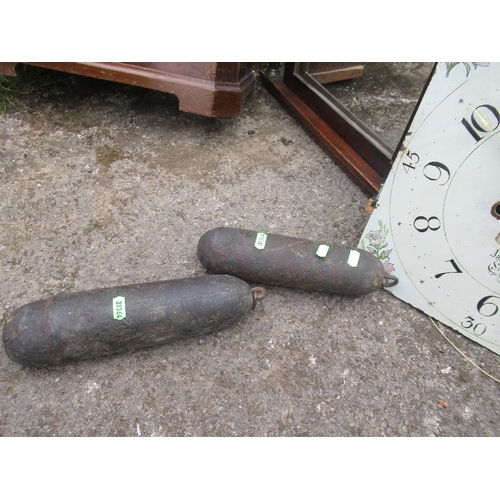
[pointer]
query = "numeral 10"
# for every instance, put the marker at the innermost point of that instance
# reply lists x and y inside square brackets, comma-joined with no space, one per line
[479,123]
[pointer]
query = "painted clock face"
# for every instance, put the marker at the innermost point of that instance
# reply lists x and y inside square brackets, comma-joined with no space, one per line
[437,221]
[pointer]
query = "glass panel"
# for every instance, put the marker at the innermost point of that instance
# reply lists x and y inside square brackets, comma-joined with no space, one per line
[382,98]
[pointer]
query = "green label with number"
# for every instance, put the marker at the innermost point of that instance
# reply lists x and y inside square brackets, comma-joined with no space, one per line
[260,241]
[119,308]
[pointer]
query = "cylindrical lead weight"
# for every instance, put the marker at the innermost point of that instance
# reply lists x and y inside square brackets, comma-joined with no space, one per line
[83,325]
[292,262]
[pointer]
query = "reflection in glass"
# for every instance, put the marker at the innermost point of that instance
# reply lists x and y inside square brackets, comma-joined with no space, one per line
[384,96]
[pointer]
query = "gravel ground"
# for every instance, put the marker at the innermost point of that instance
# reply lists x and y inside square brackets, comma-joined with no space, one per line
[104,184]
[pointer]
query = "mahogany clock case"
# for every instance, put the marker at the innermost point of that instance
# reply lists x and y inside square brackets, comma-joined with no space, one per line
[204,88]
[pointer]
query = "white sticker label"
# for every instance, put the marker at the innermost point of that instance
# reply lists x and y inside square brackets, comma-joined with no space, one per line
[322,250]
[119,310]
[260,241]
[353,258]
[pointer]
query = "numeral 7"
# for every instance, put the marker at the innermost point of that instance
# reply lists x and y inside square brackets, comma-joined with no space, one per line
[456,271]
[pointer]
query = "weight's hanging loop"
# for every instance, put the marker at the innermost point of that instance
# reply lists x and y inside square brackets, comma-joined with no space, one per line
[258,293]
[391,279]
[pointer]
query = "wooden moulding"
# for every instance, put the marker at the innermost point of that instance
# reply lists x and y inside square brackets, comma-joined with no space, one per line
[207,89]
[355,166]
[334,72]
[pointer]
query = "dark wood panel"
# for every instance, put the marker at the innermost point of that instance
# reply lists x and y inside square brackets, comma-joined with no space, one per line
[203,70]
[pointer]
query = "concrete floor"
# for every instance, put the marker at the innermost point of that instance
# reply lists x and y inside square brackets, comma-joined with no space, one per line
[104,184]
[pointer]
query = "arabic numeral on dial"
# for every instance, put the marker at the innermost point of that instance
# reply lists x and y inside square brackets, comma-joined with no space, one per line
[457,270]
[435,170]
[410,158]
[488,121]
[487,306]
[423,224]
[476,328]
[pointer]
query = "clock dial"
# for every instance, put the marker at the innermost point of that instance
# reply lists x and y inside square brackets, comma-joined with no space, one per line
[437,223]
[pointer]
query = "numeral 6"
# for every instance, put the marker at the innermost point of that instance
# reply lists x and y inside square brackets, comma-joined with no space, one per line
[486,307]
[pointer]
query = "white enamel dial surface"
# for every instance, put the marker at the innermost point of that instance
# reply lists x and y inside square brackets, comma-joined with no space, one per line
[437,223]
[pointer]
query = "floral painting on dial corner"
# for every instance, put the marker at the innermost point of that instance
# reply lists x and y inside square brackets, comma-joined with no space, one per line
[377,245]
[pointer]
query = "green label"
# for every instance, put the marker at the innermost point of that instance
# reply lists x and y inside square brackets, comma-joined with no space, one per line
[322,250]
[260,241]
[119,310]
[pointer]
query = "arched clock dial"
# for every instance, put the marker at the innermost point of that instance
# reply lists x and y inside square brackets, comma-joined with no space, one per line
[437,222]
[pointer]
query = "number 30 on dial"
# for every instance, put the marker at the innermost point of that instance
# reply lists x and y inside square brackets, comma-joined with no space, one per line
[437,223]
